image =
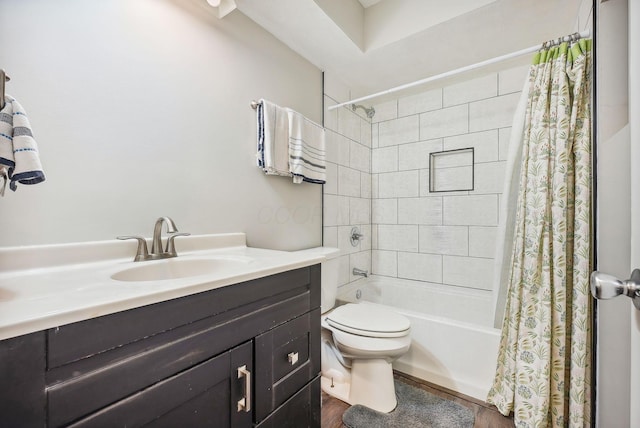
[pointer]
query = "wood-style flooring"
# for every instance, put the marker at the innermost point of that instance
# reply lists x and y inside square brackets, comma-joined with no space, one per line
[486,415]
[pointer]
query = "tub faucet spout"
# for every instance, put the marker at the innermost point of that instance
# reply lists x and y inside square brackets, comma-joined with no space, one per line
[360,272]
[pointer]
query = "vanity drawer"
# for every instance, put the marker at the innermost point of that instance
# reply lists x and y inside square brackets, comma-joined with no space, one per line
[287,358]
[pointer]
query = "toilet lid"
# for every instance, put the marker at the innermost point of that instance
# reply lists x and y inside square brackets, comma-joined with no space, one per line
[368,320]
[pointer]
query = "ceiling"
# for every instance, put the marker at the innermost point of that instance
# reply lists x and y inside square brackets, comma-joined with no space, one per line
[373,45]
[368,3]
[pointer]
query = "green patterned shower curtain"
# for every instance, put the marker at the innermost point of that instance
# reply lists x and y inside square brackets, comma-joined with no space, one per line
[544,361]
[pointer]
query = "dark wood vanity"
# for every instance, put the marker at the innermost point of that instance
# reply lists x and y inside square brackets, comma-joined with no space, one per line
[238,356]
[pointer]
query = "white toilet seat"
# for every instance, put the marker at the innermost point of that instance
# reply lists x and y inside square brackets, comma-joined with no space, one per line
[354,346]
[368,320]
[388,337]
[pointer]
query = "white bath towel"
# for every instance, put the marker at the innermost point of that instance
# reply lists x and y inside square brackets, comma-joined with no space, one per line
[19,159]
[273,138]
[306,149]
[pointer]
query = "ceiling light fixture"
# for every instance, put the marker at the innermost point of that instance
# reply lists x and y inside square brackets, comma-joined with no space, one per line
[224,7]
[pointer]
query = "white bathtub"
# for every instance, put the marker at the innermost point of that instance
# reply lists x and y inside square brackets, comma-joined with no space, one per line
[457,351]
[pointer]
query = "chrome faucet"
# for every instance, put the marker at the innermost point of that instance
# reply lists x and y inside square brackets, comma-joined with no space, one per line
[157,253]
[360,272]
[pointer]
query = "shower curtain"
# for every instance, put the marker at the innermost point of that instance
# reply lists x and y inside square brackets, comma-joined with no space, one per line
[544,361]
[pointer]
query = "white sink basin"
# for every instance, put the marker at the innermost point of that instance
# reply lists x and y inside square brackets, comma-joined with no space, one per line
[177,268]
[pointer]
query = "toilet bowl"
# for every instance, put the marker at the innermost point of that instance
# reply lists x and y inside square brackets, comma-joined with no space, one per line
[359,343]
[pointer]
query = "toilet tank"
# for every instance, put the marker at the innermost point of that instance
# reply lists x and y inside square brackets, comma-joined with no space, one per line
[329,272]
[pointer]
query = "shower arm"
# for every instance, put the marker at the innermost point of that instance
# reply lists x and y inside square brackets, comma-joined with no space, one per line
[370,112]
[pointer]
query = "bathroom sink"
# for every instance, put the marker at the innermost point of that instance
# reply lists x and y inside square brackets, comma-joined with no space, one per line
[176,268]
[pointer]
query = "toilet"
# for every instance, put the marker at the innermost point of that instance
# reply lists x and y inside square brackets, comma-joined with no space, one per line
[359,343]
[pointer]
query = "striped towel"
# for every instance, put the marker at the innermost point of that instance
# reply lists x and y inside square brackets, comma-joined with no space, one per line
[273,138]
[306,149]
[19,160]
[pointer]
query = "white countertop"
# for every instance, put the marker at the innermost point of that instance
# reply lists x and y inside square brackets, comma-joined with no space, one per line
[49,286]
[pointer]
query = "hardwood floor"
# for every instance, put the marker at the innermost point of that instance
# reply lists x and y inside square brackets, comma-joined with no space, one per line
[486,415]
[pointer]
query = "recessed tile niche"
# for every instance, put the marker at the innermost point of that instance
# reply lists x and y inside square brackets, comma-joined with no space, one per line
[451,170]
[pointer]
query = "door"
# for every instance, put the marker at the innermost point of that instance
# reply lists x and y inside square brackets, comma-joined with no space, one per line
[215,393]
[618,379]
[634,128]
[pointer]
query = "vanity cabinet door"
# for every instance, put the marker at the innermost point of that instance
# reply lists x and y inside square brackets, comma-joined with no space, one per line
[23,401]
[287,358]
[205,395]
[300,411]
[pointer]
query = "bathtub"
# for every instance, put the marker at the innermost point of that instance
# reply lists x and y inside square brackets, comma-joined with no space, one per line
[452,342]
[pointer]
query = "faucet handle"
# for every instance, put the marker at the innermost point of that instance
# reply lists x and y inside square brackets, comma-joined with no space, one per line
[171,248]
[142,253]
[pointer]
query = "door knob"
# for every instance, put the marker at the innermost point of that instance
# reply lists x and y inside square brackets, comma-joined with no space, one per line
[605,286]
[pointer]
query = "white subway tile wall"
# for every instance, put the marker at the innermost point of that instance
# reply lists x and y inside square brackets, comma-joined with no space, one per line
[468,210]
[512,80]
[398,131]
[416,155]
[384,159]
[398,237]
[471,272]
[419,210]
[420,267]
[445,122]
[485,144]
[384,262]
[492,113]
[471,90]
[378,179]
[414,104]
[384,211]
[398,184]
[446,238]
[347,191]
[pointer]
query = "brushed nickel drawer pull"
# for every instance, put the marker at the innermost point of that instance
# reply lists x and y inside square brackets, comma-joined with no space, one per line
[245,402]
[292,357]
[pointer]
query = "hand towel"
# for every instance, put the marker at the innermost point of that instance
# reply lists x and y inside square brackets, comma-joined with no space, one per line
[306,149]
[19,159]
[273,138]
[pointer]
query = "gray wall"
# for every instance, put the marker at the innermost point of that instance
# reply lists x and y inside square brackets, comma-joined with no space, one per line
[141,109]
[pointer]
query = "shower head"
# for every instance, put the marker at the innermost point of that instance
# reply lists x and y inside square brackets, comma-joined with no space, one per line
[370,112]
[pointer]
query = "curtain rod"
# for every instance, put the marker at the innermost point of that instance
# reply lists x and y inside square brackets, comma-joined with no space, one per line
[521,52]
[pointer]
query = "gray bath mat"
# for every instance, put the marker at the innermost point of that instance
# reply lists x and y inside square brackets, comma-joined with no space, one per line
[416,408]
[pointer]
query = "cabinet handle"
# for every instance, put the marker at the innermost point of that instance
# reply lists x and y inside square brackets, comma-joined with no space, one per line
[292,357]
[245,402]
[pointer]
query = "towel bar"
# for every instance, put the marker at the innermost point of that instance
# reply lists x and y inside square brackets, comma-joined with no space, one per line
[3,78]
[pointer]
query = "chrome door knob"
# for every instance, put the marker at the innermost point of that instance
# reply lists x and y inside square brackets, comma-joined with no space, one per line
[605,286]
